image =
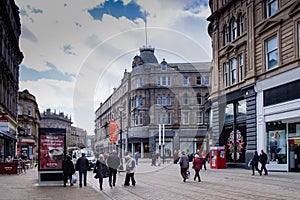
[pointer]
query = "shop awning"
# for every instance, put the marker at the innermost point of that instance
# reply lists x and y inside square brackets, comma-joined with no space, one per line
[7,135]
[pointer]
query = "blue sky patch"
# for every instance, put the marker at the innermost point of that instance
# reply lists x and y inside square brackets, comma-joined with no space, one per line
[67,48]
[29,74]
[117,9]
[193,6]
[34,10]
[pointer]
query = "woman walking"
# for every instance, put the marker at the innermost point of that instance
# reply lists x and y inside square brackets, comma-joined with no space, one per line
[254,163]
[197,165]
[101,170]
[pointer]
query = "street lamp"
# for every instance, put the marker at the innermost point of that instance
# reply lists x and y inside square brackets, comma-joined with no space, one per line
[121,139]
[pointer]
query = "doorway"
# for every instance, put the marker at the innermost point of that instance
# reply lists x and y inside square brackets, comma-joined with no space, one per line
[294,149]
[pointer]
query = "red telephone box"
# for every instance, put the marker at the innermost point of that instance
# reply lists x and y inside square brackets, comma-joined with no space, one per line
[217,157]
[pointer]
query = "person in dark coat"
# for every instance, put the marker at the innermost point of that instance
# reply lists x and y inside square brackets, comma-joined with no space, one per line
[82,165]
[113,162]
[254,163]
[68,170]
[263,158]
[197,166]
[184,165]
[101,170]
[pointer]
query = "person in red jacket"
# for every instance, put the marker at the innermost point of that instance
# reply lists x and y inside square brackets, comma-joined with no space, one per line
[197,166]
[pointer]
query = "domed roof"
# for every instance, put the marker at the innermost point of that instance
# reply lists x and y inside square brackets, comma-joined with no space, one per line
[147,55]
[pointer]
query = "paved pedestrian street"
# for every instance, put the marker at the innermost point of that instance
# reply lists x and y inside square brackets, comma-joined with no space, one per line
[163,182]
[166,183]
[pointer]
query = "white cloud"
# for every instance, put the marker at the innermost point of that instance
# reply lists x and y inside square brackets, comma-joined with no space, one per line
[102,49]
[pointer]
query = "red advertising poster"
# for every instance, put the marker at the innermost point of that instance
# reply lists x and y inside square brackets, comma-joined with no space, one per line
[51,151]
[114,131]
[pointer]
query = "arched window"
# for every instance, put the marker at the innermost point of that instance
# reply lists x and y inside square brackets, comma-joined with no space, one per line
[233,29]
[225,35]
[241,24]
[140,100]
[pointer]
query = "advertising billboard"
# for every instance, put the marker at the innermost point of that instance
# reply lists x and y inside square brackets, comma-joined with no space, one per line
[52,147]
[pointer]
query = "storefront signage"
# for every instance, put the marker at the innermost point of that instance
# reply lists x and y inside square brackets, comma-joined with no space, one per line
[4,124]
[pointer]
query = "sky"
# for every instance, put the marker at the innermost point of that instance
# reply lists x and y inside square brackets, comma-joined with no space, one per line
[75,51]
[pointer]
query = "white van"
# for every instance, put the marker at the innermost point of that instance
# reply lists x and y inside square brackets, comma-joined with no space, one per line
[89,154]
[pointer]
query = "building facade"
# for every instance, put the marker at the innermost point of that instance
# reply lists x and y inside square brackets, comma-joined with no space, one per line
[10,58]
[57,120]
[28,125]
[255,65]
[78,137]
[166,95]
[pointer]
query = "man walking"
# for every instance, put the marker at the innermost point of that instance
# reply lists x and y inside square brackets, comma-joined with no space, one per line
[113,162]
[82,165]
[263,158]
[184,165]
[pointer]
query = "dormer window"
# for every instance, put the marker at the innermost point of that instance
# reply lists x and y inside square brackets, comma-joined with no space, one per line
[163,65]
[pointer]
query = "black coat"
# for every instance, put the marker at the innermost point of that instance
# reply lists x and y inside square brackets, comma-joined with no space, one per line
[263,158]
[68,167]
[101,169]
[255,159]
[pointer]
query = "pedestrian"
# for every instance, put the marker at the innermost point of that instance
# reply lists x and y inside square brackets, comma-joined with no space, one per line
[102,171]
[203,160]
[175,157]
[68,170]
[8,159]
[184,165]
[136,157]
[113,162]
[197,166]
[82,165]
[158,160]
[254,163]
[154,157]
[130,169]
[263,158]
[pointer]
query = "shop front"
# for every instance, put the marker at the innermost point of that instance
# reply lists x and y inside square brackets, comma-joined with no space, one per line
[278,118]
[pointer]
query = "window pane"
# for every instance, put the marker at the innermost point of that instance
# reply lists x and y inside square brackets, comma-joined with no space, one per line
[225,69]
[272,59]
[241,68]
[271,53]
[299,39]
[273,8]
[241,108]
[229,112]
[233,71]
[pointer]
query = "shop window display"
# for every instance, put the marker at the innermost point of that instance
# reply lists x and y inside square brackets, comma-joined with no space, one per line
[277,142]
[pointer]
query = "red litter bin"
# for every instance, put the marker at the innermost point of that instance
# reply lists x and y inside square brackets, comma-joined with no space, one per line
[217,157]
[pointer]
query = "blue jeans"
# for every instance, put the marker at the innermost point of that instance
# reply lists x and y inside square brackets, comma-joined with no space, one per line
[84,173]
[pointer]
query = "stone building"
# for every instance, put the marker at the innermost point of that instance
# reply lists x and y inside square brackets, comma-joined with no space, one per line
[153,94]
[75,136]
[28,120]
[10,58]
[57,120]
[256,48]
[78,137]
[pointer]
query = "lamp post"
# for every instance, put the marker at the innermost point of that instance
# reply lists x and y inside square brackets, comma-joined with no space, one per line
[163,139]
[121,139]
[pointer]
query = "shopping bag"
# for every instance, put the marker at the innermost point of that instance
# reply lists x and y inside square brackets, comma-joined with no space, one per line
[74,179]
[187,174]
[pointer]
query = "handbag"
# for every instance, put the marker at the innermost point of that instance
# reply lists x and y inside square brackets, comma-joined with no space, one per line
[187,174]
[250,163]
[96,176]
[74,179]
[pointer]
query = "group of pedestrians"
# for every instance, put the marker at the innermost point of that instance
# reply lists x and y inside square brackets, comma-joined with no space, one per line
[105,167]
[109,168]
[198,162]
[262,158]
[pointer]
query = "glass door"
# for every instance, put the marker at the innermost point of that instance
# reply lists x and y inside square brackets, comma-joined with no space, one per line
[294,149]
